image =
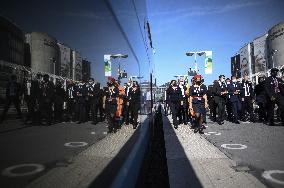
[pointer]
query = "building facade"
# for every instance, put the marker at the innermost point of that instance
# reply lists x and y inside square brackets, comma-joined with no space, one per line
[262,54]
[86,69]
[76,62]
[236,66]
[12,40]
[275,46]
[246,60]
[45,53]
[65,60]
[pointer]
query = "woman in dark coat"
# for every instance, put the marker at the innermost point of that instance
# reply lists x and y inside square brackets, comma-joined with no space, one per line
[110,99]
[198,102]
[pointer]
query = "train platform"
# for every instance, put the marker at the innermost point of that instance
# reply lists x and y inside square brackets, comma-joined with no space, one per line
[195,162]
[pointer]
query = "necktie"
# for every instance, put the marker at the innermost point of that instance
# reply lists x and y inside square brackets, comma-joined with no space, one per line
[276,85]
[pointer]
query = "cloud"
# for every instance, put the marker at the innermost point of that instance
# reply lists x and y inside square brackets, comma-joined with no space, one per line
[209,9]
[167,18]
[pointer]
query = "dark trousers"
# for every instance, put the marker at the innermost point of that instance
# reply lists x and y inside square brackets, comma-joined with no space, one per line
[81,110]
[236,107]
[71,109]
[16,101]
[247,107]
[221,109]
[262,115]
[184,113]
[110,110]
[96,108]
[212,107]
[271,106]
[46,110]
[229,110]
[134,108]
[88,108]
[31,109]
[174,105]
[58,112]
[125,113]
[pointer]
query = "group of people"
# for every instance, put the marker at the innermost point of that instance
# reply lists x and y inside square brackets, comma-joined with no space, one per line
[80,101]
[187,103]
[232,99]
[238,100]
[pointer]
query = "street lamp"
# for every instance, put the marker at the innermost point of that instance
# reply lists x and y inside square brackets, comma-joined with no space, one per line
[119,56]
[273,52]
[200,53]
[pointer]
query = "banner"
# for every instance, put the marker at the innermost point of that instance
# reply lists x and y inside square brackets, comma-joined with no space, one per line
[245,60]
[259,52]
[208,62]
[107,65]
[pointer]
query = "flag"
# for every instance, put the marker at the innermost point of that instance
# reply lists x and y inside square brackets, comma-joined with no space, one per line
[107,65]
[208,62]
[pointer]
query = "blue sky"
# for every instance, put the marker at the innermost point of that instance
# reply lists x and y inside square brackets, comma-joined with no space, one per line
[177,26]
[222,26]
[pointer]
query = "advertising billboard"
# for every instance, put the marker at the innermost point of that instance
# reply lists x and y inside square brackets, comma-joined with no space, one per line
[208,62]
[65,59]
[107,65]
[259,54]
[245,60]
[77,65]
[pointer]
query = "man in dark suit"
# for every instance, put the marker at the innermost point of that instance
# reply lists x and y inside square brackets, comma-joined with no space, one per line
[247,98]
[220,93]
[211,103]
[59,98]
[128,90]
[234,89]
[46,99]
[175,99]
[82,93]
[134,103]
[261,99]
[13,93]
[272,89]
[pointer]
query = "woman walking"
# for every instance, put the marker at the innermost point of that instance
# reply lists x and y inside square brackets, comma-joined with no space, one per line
[198,102]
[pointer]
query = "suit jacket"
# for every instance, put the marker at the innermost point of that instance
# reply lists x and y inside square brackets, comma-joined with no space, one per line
[13,89]
[269,86]
[134,97]
[249,88]
[260,94]
[217,89]
[232,88]
[48,90]
[174,95]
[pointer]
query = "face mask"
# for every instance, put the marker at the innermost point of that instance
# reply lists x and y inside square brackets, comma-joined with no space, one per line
[234,80]
[198,82]
[228,82]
